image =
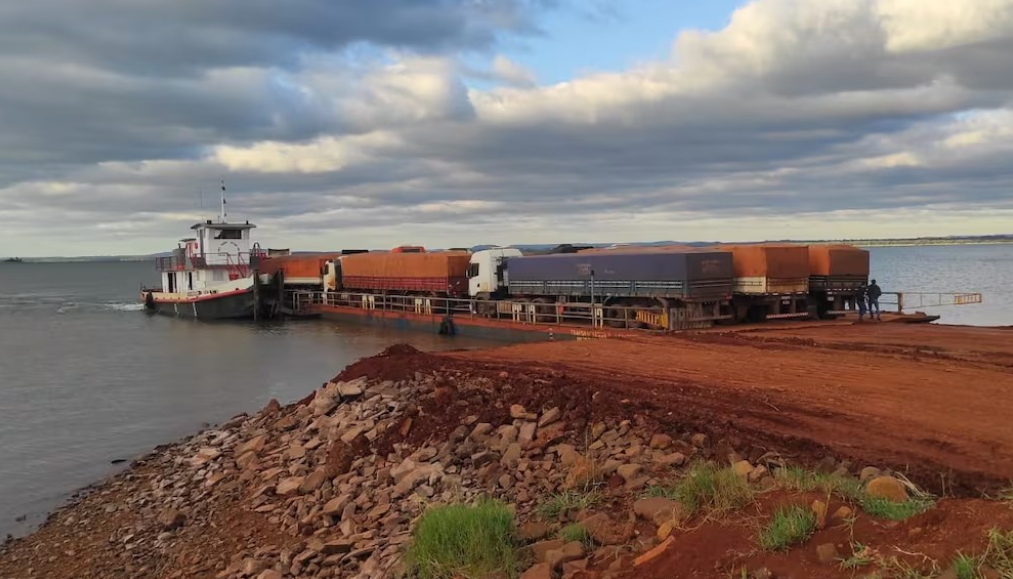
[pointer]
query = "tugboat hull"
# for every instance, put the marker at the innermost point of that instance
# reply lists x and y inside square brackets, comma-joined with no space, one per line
[236,305]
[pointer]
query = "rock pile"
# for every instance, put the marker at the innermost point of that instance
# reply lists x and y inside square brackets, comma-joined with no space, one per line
[330,487]
[336,481]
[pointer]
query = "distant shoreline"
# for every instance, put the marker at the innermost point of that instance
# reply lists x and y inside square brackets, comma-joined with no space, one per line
[918,244]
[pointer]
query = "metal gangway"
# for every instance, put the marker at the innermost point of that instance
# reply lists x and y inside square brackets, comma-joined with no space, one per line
[904,302]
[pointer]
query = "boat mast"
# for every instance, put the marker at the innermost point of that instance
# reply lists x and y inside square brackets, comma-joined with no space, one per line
[222,214]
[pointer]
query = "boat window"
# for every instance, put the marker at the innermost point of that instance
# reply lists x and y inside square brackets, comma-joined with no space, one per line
[229,234]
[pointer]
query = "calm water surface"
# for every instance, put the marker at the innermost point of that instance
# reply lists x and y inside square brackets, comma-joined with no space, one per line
[86,377]
[984,269]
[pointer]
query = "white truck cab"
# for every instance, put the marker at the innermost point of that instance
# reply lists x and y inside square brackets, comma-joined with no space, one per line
[485,271]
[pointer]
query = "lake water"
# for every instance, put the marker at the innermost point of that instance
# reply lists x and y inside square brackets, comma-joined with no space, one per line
[86,377]
[984,269]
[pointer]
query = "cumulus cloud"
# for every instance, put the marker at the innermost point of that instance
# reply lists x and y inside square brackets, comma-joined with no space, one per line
[512,73]
[803,117]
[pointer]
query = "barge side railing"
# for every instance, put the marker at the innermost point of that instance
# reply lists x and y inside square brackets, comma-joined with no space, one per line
[581,314]
[908,301]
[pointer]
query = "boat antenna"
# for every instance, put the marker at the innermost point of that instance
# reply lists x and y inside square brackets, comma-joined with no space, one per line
[223,214]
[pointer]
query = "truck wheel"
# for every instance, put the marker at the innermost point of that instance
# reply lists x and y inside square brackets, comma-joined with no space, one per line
[485,308]
[615,317]
[543,311]
[757,314]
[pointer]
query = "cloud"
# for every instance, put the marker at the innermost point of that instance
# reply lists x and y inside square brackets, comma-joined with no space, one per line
[800,117]
[148,37]
[512,73]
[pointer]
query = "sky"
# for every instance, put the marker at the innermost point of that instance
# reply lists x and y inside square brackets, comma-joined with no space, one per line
[448,123]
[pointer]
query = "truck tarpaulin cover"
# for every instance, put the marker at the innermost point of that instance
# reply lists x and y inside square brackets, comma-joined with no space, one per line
[777,261]
[418,272]
[300,266]
[623,266]
[838,260]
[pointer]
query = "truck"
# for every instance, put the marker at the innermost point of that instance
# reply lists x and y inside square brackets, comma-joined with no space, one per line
[300,270]
[424,273]
[771,280]
[635,288]
[837,273]
[303,271]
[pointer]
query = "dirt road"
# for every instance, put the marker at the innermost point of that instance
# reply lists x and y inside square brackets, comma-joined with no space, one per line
[933,401]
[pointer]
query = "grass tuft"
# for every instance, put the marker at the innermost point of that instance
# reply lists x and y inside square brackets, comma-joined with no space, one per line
[861,556]
[802,480]
[706,486]
[1006,495]
[467,541]
[566,501]
[886,509]
[965,566]
[847,488]
[790,525]
[999,553]
[897,569]
[576,532]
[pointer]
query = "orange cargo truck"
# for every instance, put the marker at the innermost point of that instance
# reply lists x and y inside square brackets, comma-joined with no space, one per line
[771,280]
[836,274]
[442,273]
[303,270]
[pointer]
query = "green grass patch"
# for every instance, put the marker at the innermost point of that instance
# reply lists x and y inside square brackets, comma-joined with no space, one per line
[861,556]
[705,486]
[892,511]
[966,566]
[576,532]
[790,525]
[668,492]
[802,480]
[469,541]
[551,508]
[850,489]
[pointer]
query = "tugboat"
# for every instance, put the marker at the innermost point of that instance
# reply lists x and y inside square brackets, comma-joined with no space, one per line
[209,276]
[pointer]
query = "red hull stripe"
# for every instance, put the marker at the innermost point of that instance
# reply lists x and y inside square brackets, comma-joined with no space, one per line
[202,298]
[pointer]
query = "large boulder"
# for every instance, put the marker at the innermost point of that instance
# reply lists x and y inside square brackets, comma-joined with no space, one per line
[171,519]
[569,552]
[540,550]
[604,531]
[887,487]
[539,571]
[289,486]
[254,445]
[629,471]
[657,509]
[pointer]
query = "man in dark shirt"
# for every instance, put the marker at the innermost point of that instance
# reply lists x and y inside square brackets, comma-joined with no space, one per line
[874,292]
[860,302]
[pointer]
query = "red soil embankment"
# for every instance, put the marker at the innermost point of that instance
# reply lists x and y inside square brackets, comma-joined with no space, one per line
[932,401]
